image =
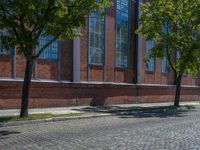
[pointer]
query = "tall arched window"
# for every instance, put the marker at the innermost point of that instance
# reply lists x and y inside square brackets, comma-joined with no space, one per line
[166,29]
[96,38]
[122,33]
[150,65]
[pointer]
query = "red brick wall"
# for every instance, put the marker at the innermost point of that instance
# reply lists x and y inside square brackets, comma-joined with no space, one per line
[6,66]
[46,69]
[20,66]
[84,53]
[157,77]
[109,72]
[110,44]
[189,80]
[96,73]
[62,94]
[66,64]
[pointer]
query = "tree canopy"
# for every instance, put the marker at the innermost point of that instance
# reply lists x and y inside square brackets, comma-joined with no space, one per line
[175,26]
[25,21]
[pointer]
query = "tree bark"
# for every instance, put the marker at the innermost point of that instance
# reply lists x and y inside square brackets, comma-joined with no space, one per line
[25,90]
[178,91]
[175,77]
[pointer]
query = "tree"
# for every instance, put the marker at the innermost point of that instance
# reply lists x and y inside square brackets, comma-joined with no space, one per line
[175,26]
[26,20]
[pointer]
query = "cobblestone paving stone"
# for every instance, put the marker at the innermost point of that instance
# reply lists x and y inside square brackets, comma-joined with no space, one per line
[128,132]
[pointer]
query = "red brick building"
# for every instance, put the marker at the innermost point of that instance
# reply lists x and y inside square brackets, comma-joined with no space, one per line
[105,65]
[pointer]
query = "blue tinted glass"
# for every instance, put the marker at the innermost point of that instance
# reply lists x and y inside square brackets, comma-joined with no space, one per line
[122,33]
[150,65]
[96,38]
[52,51]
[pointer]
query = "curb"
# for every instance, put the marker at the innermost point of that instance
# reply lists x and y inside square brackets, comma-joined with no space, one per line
[56,119]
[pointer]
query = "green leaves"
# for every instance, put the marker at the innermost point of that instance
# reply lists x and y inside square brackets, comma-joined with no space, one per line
[179,41]
[26,20]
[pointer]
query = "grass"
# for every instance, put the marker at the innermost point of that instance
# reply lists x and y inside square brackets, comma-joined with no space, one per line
[36,116]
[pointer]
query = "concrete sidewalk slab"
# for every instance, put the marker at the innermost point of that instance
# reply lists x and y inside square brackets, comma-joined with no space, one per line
[57,110]
[192,103]
[80,109]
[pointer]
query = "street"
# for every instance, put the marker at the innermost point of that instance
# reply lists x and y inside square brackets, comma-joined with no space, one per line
[142,131]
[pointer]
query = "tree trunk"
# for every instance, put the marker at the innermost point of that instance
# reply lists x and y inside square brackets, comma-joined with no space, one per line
[178,90]
[25,90]
[175,77]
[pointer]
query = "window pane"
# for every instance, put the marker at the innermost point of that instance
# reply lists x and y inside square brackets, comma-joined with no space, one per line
[3,51]
[92,39]
[150,65]
[165,65]
[122,35]
[96,38]
[52,51]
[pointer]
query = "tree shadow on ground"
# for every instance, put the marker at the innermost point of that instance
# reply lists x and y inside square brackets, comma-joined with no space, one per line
[5,133]
[141,112]
[5,119]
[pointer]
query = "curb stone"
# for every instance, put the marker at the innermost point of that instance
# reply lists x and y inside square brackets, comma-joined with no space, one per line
[56,119]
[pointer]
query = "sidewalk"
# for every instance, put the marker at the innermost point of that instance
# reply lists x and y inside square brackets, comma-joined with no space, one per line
[90,109]
[86,112]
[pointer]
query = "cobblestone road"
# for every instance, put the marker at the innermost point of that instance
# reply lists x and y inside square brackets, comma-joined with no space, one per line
[148,131]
